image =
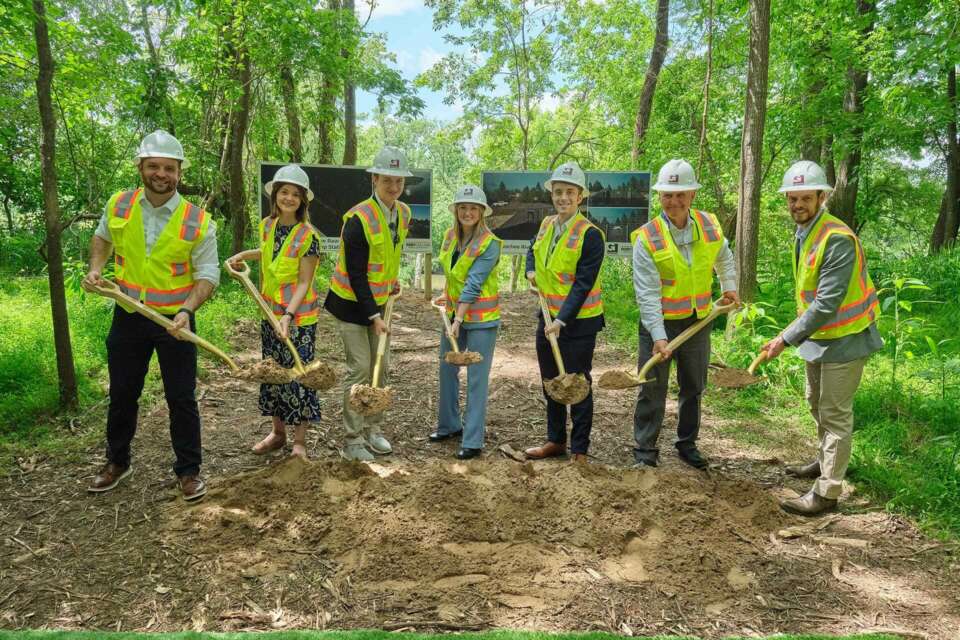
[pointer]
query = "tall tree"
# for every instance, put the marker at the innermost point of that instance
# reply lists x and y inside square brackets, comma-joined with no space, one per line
[288,89]
[843,203]
[657,55]
[51,208]
[946,228]
[239,121]
[349,101]
[751,150]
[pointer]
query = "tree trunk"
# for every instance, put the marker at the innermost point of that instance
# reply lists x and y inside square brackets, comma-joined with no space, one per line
[157,91]
[826,159]
[48,174]
[328,114]
[349,104]
[843,203]
[751,149]
[288,89]
[945,230]
[657,56]
[239,121]
[6,210]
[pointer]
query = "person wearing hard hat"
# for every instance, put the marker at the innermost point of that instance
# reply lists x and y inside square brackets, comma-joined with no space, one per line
[469,255]
[835,331]
[563,263]
[289,252]
[371,246]
[674,257]
[165,256]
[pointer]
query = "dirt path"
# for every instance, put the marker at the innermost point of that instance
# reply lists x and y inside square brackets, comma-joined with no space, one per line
[421,541]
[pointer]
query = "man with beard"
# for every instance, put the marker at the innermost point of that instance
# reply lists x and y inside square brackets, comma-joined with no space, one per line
[165,256]
[835,331]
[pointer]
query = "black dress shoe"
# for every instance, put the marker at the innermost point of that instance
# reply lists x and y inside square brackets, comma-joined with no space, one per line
[467,454]
[436,436]
[645,462]
[693,457]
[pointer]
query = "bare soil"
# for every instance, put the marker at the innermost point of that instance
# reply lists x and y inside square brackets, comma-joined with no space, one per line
[421,541]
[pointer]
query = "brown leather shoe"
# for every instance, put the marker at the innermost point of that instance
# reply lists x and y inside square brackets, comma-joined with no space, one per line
[549,450]
[580,458]
[809,471]
[192,487]
[109,477]
[809,504]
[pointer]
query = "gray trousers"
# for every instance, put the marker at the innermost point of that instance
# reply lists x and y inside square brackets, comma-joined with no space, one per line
[692,358]
[360,347]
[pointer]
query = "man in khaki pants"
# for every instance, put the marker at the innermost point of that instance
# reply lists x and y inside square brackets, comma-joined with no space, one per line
[835,331]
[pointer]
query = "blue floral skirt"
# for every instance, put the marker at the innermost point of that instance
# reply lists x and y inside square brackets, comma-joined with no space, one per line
[292,402]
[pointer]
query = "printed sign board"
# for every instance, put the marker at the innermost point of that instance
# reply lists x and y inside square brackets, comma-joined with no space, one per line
[337,188]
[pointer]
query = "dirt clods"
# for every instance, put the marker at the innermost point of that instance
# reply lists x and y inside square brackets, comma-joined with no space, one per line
[734,378]
[618,379]
[319,375]
[463,358]
[267,371]
[369,401]
[569,388]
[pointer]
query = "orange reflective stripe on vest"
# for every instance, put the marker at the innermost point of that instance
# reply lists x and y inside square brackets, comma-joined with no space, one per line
[192,219]
[125,203]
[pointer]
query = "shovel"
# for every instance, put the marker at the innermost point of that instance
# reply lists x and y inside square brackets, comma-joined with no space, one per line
[738,378]
[370,399]
[259,372]
[456,357]
[317,375]
[567,388]
[627,379]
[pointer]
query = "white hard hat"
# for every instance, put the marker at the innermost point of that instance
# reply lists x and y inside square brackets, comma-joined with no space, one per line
[470,194]
[805,175]
[161,144]
[569,172]
[676,175]
[390,161]
[294,175]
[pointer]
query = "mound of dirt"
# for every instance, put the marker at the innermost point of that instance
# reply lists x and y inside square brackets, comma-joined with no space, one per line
[492,541]
[463,358]
[570,388]
[369,401]
[319,375]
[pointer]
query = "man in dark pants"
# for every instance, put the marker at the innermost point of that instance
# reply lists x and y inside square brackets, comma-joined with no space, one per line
[674,256]
[166,257]
[563,263]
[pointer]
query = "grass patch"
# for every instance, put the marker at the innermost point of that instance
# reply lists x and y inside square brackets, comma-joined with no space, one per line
[374,635]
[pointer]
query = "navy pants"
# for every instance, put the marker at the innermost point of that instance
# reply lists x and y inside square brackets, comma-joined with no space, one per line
[577,355]
[130,345]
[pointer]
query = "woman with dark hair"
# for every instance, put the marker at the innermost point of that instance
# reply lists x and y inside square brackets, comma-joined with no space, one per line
[289,252]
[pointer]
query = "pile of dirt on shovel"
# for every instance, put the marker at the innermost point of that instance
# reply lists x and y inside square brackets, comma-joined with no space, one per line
[489,543]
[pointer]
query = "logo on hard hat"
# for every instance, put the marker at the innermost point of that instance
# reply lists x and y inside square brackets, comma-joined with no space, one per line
[798,179]
[567,171]
[468,191]
[673,178]
[394,164]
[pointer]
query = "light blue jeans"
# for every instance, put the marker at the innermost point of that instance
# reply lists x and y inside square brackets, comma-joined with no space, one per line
[449,419]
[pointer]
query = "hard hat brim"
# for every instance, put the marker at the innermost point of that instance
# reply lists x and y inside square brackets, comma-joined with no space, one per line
[268,188]
[806,187]
[673,188]
[487,210]
[548,184]
[184,163]
[399,173]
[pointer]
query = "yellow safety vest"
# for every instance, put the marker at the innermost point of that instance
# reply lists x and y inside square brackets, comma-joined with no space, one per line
[556,272]
[163,279]
[487,306]
[279,274]
[684,288]
[383,265]
[859,307]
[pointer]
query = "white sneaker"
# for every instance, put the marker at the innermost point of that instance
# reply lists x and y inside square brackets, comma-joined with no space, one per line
[356,452]
[378,444]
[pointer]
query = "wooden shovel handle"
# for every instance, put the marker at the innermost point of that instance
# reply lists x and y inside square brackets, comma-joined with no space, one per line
[243,275]
[763,357]
[446,325]
[111,290]
[685,335]
[382,342]
[550,337]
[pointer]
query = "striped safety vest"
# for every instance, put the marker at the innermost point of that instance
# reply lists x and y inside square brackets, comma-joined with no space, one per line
[556,272]
[859,307]
[487,306]
[279,273]
[163,279]
[685,289]
[383,265]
